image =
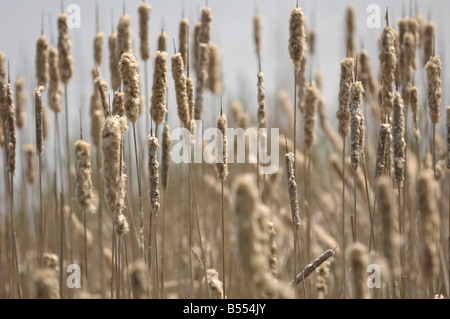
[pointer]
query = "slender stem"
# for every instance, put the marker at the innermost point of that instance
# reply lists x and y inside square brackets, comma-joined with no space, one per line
[141,214]
[223,248]
[343,214]
[41,212]
[191,275]
[163,271]
[434,148]
[100,225]
[367,192]
[301,261]
[126,265]
[295,123]
[295,259]
[61,245]
[155,239]
[400,232]
[354,195]
[85,250]
[119,241]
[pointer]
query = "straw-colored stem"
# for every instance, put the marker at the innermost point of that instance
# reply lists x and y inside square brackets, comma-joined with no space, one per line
[354,198]
[155,240]
[223,245]
[141,214]
[100,224]
[61,245]
[85,250]
[433,147]
[343,215]
[163,252]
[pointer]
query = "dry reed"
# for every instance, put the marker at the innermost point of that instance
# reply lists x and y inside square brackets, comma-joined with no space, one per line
[114,62]
[350,28]
[356,123]
[29,151]
[162,41]
[64,44]
[84,191]
[215,83]
[138,279]
[55,91]
[311,100]
[38,104]
[20,96]
[398,132]
[257,26]
[131,87]
[385,131]
[98,47]
[297,43]
[359,260]
[45,283]
[165,156]
[124,36]
[221,147]
[434,91]
[388,62]
[343,113]
[183,40]
[41,60]
[313,266]
[428,32]
[158,99]
[10,129]
[203,61]
[144,10]
[180,90]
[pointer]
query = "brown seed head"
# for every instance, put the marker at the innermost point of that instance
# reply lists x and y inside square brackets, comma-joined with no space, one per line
[131,87]
[144,10]
[434,91]
[41,60]
[158,99]
[64,45]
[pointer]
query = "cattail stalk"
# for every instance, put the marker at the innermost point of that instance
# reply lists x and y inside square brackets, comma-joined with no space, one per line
[162,41]
[313,266]
[41,60]
[20,95]
[180,90]
[183,40]
[114,62]
[388,62]
[359,260]
[144,10]
[124,36]
[158,100]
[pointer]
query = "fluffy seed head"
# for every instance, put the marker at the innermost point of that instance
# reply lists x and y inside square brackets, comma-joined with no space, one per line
[131,86]
[98,47]
[118,104]
[388,62]
[183,40]
[38,104]
[214,283]
[21,116]
[162,40]
[205,29]
[114,62]
[434,91]
[102,88]
[191,100]
[83,190]
[41,60]
[311,99]
[292,186]
[385,132]
[367,76]
[356,123]
[153,166]
[144,16]
[180,89]
[398,132]
[414,102]
[165,155]
[158,99]
[221,148]
[359,260]
[55,91]
[203,62]
[64,45]
[297,43]
[30,150]
[343,113]
[261,101]
[124,36]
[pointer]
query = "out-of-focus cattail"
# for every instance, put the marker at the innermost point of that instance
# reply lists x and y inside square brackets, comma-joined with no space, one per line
[131,86]
[313,266]
[391,238]
[118,104]
[214,283]
[2,136]
[240,117]
[180,90]
[385,132]
[409,66]
[2,85]
[286,106]
[356,123]
[138,279]
[45,121]
[292,186]
[162,40]
[114,62]
[124,36]
[39,120]
[205,30]
[144,10]
[112,135]
[312,41]
[96,114]
[414,102]
[429,222]
[51,261]
[183,39]
[83,189]
[367,76]
[273,261]
[326,127]
[102,88]
[201,79]
[41,60]
[359,260]
[191,99]
[64,44]
[221,147]
[350,22]
[215,83]
[388,62]
[46,284]
[195,44]
[98,47]
[21,116]
[434,91]
[297,43]
[30,150]
[311,99]
[257,26]
[428,41]
[261,101]
[323,272]
[158,99]
[165,156]
[400,50]
[398,132]
[343,113]
[55,91]
[153,166]
[301,83]
[447,110]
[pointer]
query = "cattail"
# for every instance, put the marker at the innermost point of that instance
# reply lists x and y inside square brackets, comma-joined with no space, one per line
[21,116]
[400,50]
[367,76]
[102,88]
[313,266]
[183,45]
[191,99]
[323,272]
[326,127]
[285,103]
[138,278]
[195,45]
[9,117]
[292,186]
[118,104]
[388,61]
[144,16]
[83,190]
[301,83]
[122,226]
[273,262]
[297,43]
[261,101]
[241,118]
[221,147]
[54,90]
[312,41]
[131,86]
[343,113]
[180,89]
[30,150]
[124,36]
[64,44]
[2,85]
[408,71]
[447,110]
[201,79]
[414,102]
[391,238]
[398,132]
[429,222]
[434,91]
[45,121]
[98,47]
[215,84]
[351,26]
[385,132]
[311,99]
[113,62]
[51,261]
[205,29]
[41,60]
[257,26]
[153,166]
[97,117]
[162,39]
[165,155]
[356,123]
[46,284]
[428,41]
[158,100]
[112,135]
[359,260]
[214,283]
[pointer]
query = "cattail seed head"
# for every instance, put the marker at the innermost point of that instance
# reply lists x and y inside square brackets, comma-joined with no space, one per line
[165,155]
[409,66]
[118,104]
[2,85]
[46,284]
[21,116]
[388,62]
[398,132]
[30,150]
[261,101]
[64,45]
[102,88]
[311,40]
[434,91]
[45,121]
[183,39]
[153,166]
[292,186]
[158,99]
[343,113]
[138,279]
[205,29]
[195,44]
[41,60]
[359,260]
[367,76]
[180,89]
[203,62]
[215,84]
[98,47]
[83,189]
[297,43]
[414,102]
[214,283]
[131,86]
[191,100]
[257,26]
[51,261]
[39,120]
[122,226]
[114,62]
[221,147]
[55,91]
[162,40]
[350,20]
[385,132]
[311,99]
[428,41]
[356,123]
[97,117]
[124,36]
[144,16]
